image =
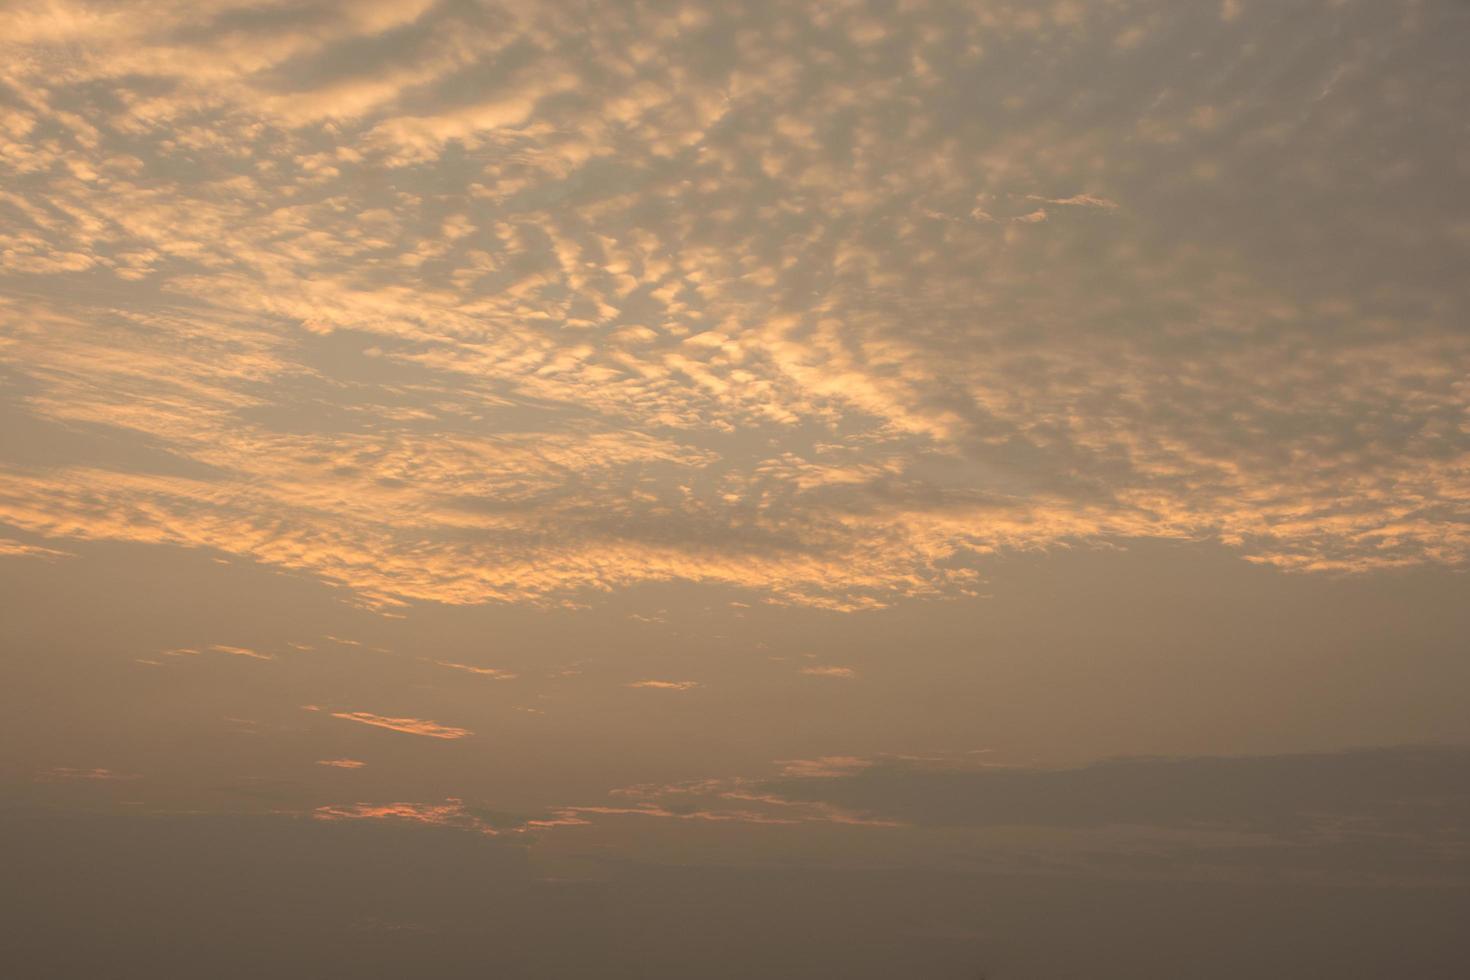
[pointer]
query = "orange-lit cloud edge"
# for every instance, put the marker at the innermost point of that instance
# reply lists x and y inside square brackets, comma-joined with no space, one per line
[892,458]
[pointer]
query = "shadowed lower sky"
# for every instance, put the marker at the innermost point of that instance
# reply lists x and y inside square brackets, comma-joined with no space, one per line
[966,464]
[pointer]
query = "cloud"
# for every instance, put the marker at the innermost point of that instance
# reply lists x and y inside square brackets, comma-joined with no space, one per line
[578,815]
[64,774]
[665,685]
[492,672]
[451,813]
[515,317]
[237,652]
[825,766]
[829,670]
[341,763]
[1363,817]
[409,726]
[1077,200]
[735,800]
[13,549]
[1413,791]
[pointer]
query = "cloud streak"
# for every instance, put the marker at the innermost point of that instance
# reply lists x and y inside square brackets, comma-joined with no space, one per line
[451,813]
[409,726]
[829,670]
[491,672]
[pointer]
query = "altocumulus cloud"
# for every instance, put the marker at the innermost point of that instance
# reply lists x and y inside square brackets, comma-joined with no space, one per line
[754,294]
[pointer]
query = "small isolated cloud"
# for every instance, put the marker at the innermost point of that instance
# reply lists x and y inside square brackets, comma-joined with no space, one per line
[1076,200]
[829,670]
[735,799]
[451,813]
[494,673]
[341,763]
[66,774]
[666,685]
[409,726]
[825,767]
[241,652]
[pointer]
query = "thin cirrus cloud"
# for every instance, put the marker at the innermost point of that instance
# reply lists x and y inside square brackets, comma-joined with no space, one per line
[690,311]
[825,766]
[450,813]
[493,673]
[67,774]
[240,652]
[829,670]
[21,549]
[224,648]
[409,726]
[342,763]
[658,685]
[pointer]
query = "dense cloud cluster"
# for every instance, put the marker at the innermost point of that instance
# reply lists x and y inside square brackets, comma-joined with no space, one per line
[471,301]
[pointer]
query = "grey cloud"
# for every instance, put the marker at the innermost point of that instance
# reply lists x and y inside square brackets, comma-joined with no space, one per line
[1416,794]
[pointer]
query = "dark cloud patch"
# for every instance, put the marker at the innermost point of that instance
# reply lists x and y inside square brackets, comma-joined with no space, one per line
[1416,794]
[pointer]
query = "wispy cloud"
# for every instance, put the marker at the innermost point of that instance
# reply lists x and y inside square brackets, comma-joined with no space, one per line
[1077,200]
[241,652]
[65,774]
[409,726]
[829,670]
[11,548]
[342,763]
[451,813]
[825,766]
[658,685]
[492,672]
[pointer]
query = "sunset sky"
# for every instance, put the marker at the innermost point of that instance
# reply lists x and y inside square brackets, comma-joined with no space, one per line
[799,489]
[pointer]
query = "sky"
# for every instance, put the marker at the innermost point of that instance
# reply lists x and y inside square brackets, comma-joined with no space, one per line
[803,489]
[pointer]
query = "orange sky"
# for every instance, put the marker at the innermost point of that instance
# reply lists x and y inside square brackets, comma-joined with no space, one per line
[732,437]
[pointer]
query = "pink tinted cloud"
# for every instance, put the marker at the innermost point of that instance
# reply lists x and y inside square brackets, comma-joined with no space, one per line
[494,673]
[450,813]
[829,670]
[240,652]
[827,766]
[65,773]
[409,726]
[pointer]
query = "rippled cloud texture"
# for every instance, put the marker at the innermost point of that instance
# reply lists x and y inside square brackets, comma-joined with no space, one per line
[470,302]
